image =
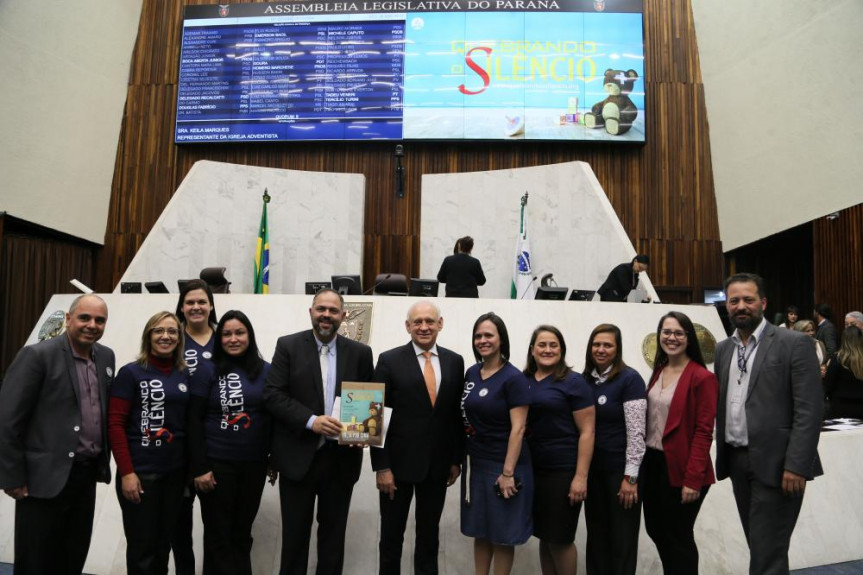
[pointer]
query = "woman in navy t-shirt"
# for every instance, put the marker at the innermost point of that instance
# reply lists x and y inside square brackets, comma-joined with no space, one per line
[197,313]
[613,508]
[497,485]
[560,434]
[229,440]
[147,431]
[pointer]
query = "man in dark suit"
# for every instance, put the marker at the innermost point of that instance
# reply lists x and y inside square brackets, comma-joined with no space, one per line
[826,331]
[424,441]
[307,373]
[768,422]
[53,440]
[623,279]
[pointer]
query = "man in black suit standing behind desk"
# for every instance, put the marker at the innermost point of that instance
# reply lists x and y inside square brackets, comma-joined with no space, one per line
[424,441]
[307,373]
[768,422]
[54,441]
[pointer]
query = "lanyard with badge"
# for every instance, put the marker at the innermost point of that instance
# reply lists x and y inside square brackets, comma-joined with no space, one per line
[743,359]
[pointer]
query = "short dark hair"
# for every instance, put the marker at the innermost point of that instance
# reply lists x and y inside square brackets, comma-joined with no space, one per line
[693,349]
[192,285]
[501,332]
[561,370]
[824,310]
[465,244]
[329,290]
[251,361]
[617,365]
[746,278]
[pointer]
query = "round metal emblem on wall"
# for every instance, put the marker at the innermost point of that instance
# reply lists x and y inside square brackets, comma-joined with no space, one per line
[358,322]
[705,340]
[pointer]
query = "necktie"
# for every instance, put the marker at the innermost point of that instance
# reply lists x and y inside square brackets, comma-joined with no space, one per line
[325,373]
[428,375]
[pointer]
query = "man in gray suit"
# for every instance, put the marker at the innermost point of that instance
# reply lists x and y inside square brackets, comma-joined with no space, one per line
[767,423]
[53,440]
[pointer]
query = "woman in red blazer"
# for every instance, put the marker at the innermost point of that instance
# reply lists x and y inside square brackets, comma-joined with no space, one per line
[677,471]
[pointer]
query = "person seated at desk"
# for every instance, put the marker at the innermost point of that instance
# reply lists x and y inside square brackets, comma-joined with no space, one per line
[461,272]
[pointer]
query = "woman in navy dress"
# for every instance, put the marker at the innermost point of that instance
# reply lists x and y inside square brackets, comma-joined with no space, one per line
[147,432]
[229,440]
[197,313]
[497,486]
[560,434]
[613,508]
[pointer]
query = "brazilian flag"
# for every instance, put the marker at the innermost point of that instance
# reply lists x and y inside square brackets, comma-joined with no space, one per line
[262,256]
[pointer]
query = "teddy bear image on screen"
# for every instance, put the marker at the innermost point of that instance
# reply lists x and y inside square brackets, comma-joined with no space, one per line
[616,112]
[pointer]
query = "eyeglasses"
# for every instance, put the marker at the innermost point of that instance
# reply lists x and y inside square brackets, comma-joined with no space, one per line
[670,333]
[173,332]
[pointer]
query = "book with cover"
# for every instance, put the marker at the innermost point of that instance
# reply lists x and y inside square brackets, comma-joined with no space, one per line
[362,413]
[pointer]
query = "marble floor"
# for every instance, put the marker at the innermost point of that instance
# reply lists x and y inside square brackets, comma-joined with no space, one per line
[847,568]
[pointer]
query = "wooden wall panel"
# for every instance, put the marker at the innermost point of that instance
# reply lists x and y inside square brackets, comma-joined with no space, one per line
[35,263]
[662,192]
[838,257]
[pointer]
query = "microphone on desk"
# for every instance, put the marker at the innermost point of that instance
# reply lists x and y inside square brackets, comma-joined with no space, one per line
[370,290]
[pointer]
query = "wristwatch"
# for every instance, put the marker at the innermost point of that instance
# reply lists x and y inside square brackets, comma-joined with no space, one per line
[631,479]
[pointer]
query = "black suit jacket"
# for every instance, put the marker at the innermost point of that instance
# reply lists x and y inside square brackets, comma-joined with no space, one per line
[422,441]
[294,392]
[40,416]
[783,406]
[827,334]
[619,283]
[462,274]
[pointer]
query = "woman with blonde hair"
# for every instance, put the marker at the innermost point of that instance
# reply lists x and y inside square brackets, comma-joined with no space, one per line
[147,432]
[843,383]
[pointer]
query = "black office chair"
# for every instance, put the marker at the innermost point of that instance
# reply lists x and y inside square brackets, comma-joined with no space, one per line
[215,278]
[391,284]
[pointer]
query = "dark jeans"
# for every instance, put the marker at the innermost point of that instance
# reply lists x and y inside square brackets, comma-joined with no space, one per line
[228,513]
[53,535]
[182,543]
[394,516]
[612,530]
[669,522]
[149,525]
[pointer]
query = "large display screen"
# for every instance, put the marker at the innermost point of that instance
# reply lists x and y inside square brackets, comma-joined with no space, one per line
[412,70]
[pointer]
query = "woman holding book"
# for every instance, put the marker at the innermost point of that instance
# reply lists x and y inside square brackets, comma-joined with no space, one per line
[497,485]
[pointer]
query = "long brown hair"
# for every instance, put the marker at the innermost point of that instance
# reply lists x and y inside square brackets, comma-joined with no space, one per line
[850,355]
[561,370]
[693,349]
[617,365]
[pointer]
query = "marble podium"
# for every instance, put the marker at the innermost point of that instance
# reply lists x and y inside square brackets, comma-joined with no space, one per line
[574,231]
[315,220]
[830,528]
